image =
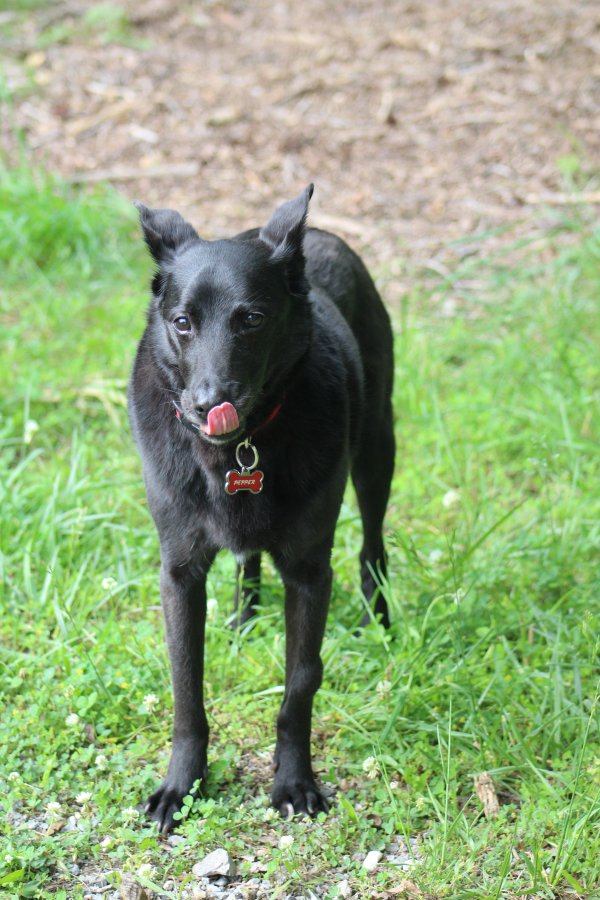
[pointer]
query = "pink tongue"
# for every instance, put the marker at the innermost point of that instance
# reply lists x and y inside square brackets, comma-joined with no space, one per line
[221,419]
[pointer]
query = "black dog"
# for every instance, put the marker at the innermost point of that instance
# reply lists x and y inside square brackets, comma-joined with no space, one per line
[263,377]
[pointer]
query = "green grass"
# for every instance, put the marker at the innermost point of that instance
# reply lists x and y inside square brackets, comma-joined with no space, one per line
[493,532]
[98,23]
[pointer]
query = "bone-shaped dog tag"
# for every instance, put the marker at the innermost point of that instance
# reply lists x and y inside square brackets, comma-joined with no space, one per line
[247,478]
[244,481]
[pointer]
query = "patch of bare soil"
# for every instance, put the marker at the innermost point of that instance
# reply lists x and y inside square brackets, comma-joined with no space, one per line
[419,122]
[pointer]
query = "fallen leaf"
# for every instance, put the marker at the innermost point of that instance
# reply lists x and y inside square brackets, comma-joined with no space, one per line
[484,786]
[130,889]
[405,887]
[55,826]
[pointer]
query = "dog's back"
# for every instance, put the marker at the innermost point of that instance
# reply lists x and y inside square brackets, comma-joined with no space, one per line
[336,273]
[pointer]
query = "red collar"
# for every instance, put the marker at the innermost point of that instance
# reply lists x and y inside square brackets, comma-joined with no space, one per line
[272,415]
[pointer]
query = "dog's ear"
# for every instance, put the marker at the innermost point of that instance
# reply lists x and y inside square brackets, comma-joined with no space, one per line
[164,231]
[284,234]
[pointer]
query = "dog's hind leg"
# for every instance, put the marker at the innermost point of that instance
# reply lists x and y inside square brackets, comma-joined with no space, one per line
[372,472]
[247,592]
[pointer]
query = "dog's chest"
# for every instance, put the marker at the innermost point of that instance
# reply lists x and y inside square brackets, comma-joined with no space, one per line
[242,521]
[298,496]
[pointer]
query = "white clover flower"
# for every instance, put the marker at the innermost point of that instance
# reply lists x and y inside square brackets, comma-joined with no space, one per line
[14,776]
[371,768]
[8,858]
[150,702]
[130,814]
[101,761]
[31,426]
[269,814]
[212,606]
[384,687]
[53,809]
[106,842]
[450,499]
[83,798]
[146,869]
[72,720]
[435,557]
[108,584]
[285,841]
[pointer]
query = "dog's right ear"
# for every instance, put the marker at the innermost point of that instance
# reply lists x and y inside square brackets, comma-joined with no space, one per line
[165,231]
[284,234]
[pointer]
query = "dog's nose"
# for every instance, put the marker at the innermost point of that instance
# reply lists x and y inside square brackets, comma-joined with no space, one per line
[202,407]
[205,402]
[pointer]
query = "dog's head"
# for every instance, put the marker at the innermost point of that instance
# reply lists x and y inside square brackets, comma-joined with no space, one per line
[231,318]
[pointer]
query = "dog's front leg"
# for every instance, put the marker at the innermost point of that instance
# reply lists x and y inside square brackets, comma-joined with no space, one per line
[307,588]
[183,595]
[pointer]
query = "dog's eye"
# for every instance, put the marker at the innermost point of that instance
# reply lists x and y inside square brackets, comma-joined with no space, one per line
[254,320]
[182,324]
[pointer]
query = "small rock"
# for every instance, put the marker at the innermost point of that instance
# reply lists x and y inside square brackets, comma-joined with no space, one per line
[75,870]
[258,866]
[73,824]
[216,863]
[403,855]
[94,883]
[371,860]
[168,885]
[175,839]
[223,115]
[344,889]
[129,889]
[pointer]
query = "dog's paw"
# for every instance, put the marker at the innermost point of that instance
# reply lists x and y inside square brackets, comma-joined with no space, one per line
[187,774]
[165,802]
[162,806]
[298,797]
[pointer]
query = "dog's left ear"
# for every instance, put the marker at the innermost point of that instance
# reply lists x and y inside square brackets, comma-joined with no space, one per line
[284,233]
[164,231]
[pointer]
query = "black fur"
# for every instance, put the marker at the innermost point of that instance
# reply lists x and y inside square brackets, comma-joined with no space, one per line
[323,350]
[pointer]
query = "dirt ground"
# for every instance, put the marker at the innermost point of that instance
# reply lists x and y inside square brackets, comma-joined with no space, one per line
[419,122]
